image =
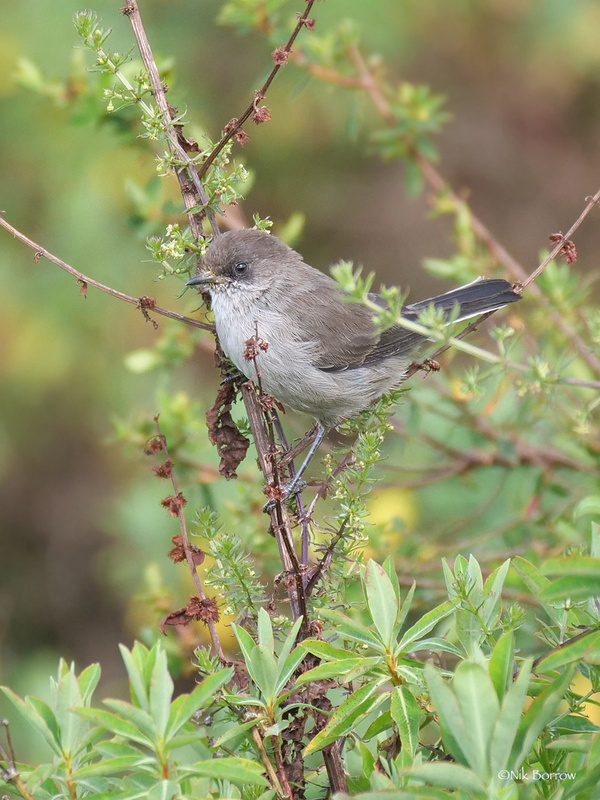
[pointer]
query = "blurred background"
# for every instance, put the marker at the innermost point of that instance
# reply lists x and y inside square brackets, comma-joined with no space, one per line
[82,536]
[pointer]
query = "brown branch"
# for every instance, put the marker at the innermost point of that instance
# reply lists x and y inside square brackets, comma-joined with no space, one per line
[264,757]
[259,95]
[144,303]
[11,773]
[280,521]
[189,555]
[177,142]
[439,184]
[562,646]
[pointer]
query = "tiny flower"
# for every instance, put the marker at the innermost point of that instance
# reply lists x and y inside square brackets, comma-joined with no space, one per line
[261,114]
[280,56]
[241,137]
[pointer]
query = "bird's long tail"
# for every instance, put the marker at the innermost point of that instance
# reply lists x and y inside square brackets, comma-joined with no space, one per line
[475,298]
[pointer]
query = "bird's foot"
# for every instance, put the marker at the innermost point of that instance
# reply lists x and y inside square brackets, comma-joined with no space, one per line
[283,494]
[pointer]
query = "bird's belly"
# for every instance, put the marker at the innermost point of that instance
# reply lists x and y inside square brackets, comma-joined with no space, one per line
[285,366]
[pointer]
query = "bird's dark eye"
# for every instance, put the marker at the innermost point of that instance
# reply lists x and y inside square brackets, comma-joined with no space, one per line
[240,269]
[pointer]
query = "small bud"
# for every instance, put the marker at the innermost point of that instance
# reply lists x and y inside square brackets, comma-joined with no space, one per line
[261,114]
[280,56]
[174,504]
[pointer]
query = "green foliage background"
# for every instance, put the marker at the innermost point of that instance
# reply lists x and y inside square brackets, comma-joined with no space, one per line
[81,533]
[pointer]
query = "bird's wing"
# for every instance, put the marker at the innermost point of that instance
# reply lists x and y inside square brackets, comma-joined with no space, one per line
[348,338]
[371,346]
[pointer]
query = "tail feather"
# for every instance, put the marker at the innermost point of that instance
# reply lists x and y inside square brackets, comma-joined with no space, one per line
[473,299]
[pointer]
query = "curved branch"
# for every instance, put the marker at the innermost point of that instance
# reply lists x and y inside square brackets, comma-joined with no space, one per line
[146,304]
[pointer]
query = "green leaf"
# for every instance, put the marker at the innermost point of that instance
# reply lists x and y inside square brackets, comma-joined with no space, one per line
[68,696]
[263,671]
[337,669]
[530,575]
[114,766]
[425,624]
[115,724]
[40,716]
[88,680]
[508,721]
[569,744]
[588,781]
[435,643]
[589,505]
[538,715]
[184,706]
[406,714]
[449,578]
[345,717]
[502,663]
[236,770]
[586,649]
[473,571]
[571,587]
[382,602]
[161,693]
[265,630]
[245,641]
[585,566]
[164,790]
[390,570]
[452,724]
[240,731]
[348,628]
[134,668]
[479,707]
[287,669]
[326,651]
[404,608]
[136,716]
[383,722]
[449,776]
[574,723]
[493,594]
[595,541]
[289,642]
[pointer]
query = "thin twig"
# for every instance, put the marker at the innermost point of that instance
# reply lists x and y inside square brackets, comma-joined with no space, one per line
[288,459]
[146,304]
[592,203]
[11,774]
[439,184]
[283,54]
[214,636]
[280,521]
[561,646]
[264,757]
[175,136]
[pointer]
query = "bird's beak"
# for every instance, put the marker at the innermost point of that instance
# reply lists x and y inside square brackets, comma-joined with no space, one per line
[202,279]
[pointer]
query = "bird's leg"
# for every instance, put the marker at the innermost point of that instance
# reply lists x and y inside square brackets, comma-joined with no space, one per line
[295,485]
[304,442]
[292,486]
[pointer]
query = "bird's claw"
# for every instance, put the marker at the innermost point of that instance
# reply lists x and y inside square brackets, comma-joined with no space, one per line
[286,493]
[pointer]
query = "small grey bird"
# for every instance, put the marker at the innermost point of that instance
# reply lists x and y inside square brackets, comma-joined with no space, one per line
[324,356]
